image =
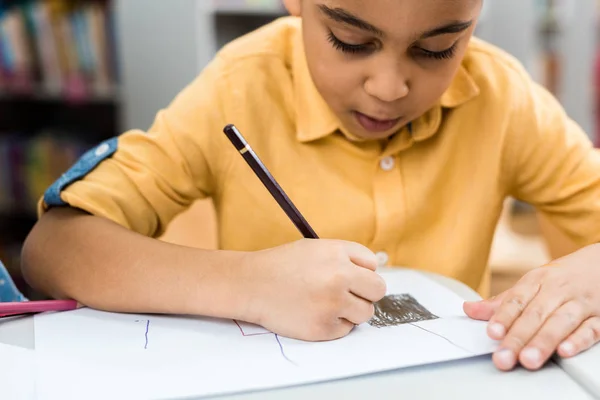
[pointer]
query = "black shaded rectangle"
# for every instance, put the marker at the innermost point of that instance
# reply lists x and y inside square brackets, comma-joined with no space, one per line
[399,309]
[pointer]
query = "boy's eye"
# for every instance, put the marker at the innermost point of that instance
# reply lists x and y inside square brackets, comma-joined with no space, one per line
[437,55]
[369,47]
[349,48]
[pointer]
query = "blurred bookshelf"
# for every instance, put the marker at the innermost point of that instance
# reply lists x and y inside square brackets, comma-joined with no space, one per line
[59,96]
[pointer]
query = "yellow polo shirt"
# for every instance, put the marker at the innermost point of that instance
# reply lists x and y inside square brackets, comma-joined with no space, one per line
[428,199]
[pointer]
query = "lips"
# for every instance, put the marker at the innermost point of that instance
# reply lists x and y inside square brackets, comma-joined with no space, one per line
[375,125]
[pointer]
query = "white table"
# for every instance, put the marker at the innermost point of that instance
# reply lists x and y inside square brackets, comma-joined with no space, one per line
[474,378]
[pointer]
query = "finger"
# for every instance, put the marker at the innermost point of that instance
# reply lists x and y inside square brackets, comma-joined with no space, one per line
[333,331]
[541,345]
[584,337]
[557,328]
[483,310]
[361,256]
[527,325]
[511,307]
[358,311]
[367,284]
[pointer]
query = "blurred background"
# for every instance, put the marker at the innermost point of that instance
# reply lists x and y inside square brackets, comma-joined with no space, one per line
[74,72]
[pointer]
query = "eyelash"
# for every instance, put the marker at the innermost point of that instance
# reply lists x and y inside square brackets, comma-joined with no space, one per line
[439,55]
[345,47]
[363,49]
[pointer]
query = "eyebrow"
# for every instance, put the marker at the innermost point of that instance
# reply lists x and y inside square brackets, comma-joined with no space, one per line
[454,27]
[343,16]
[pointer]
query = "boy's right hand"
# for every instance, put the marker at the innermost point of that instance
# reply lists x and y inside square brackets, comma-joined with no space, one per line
[312,289]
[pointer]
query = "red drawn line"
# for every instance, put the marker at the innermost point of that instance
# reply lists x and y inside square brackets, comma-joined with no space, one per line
[250,334]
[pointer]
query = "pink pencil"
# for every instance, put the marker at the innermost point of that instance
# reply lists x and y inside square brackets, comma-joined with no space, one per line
[28,307]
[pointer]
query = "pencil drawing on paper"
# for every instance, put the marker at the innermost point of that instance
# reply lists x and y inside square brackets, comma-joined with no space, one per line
[146,333]
[245,334]
[399,309]
[282,351]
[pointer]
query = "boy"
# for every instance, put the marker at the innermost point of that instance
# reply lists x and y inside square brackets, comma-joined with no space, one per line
[392,130]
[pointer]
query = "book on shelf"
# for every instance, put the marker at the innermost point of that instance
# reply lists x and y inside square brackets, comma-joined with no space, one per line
[29,165]
[64,48]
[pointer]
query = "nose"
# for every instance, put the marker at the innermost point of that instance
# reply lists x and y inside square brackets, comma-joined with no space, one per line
[387,83]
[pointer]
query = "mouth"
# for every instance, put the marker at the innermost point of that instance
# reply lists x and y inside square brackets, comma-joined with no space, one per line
[375,125]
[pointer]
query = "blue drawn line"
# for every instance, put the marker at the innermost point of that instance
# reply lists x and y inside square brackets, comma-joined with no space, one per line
[282,351]
[244,334]
[146,334]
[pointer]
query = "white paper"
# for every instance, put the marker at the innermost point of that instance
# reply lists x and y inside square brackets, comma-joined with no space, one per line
[16,379]
[156,357]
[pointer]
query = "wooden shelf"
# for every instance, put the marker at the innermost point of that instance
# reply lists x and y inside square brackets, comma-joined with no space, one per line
[43,96]
[91,120]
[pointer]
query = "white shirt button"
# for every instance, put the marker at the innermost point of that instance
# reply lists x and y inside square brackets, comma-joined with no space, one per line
[382,258]
[102,149]
[387,163]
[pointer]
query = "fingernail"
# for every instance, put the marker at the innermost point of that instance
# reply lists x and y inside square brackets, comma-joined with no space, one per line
[532,357]
[497,331]
[567,348]
[505,359]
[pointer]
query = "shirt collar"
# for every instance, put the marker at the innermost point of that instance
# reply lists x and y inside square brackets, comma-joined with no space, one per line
[462,89]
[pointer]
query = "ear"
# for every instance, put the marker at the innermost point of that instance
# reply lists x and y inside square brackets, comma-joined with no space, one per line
[293,7]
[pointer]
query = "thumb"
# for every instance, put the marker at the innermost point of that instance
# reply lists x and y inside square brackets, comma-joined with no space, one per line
[483,310]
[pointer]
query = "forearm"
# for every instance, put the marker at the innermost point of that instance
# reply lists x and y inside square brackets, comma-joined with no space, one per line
[105,266]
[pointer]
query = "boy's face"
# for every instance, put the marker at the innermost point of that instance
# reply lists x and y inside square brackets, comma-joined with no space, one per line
[381,63]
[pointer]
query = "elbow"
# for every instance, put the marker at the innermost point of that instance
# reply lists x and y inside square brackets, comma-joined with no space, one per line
[36,265]
[30,256]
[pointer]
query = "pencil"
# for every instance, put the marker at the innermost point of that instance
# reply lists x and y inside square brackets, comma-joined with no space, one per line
[270,183]
[27,307]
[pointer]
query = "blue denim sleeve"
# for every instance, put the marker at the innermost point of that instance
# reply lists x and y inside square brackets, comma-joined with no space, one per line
[79,170]
[8,289]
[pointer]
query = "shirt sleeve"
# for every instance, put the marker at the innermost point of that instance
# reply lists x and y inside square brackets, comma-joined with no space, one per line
[552,163]
[142,180]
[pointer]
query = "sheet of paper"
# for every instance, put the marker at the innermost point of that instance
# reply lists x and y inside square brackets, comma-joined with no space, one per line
[141,356]
[17,380]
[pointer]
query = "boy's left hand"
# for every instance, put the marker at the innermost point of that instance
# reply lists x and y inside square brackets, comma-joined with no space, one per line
[555,308]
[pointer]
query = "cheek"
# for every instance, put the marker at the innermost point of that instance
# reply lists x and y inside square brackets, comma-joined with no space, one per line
[431,84]
[338,79]
[335,78]
[432,80]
